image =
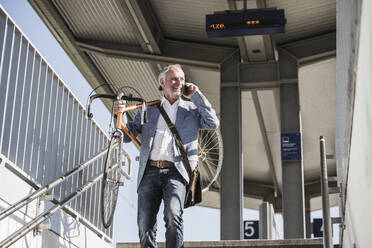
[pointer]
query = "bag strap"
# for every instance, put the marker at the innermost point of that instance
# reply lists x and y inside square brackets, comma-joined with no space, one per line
[177,138]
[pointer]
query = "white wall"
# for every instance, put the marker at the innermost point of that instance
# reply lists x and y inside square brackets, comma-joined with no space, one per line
[358,219]
[65,231]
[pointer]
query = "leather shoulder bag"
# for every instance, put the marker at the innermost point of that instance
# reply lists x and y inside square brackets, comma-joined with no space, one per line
[193,189]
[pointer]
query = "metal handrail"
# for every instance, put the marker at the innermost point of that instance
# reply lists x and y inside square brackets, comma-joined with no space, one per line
[42,190]
[40,218]
[327,225]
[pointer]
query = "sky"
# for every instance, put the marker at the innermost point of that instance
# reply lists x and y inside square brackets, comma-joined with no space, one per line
[200,223]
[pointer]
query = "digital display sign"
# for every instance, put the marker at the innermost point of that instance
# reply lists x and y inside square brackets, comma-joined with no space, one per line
[246,22]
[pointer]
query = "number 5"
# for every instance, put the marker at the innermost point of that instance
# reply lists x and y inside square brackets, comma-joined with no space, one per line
[249,229]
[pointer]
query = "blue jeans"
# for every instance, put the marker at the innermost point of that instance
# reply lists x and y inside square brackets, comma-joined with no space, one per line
[156,185]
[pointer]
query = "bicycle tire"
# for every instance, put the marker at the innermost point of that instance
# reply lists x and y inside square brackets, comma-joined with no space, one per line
[210,157]
[110,180]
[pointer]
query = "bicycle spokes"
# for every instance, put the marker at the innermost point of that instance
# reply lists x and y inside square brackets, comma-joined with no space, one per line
[210,157]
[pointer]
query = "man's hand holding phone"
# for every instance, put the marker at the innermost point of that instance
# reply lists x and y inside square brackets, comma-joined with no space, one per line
[189,89]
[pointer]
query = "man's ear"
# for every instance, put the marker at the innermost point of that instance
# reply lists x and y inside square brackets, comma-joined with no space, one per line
[162,83]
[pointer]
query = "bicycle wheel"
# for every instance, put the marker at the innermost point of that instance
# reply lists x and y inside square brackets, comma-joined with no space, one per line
[210,157]
[111,180]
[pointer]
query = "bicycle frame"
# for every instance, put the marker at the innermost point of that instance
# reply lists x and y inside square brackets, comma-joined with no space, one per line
[121,125]
[119,120]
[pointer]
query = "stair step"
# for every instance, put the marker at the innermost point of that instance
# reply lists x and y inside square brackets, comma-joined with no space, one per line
[283,243]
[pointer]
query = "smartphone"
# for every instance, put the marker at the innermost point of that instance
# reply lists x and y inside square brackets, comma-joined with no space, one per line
[186,90]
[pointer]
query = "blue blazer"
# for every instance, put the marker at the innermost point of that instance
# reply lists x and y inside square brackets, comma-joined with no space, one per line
[191,116]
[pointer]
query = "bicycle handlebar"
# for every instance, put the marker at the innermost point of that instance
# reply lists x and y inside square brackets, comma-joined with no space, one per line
[113,97]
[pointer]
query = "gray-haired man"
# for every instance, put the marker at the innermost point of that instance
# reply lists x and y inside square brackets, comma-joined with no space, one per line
[162,174]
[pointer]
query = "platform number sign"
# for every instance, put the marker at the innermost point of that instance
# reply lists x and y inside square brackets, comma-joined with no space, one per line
[251,229]
[318,227]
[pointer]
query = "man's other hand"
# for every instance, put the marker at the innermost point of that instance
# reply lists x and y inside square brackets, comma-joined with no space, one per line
[119,106]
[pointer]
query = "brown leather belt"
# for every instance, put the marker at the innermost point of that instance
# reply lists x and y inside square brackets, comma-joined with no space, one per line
[161,164]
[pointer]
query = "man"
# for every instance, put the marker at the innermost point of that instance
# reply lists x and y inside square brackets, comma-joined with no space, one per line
[162,174]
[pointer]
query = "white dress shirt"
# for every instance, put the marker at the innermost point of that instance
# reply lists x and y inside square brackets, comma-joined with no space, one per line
[162,147]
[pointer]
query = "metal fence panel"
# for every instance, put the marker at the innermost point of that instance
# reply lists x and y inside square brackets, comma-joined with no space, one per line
[11,92]
[5,63]
[42,125]
[17,103]
[26,85]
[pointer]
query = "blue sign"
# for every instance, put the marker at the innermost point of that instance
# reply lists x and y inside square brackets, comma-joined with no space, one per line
[318,228]
[251,229]
[291,146]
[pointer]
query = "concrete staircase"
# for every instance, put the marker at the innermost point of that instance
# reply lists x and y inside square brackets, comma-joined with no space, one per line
[288,243]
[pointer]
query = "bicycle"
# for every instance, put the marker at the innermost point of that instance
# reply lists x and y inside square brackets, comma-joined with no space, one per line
[209,163]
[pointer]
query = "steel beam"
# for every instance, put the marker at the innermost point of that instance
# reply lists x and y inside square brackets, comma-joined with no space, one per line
[292,171]
[232,168]
[186,53]
[314,47]
[197,51]
[259,85]
[258,72]
[265,139]
[251,189]
[257,190]
[134,53]
[313,188]
[141,16]
[317,58]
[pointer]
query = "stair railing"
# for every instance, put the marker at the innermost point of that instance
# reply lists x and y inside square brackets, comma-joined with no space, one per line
[11,239]
[42,217]
[8,211]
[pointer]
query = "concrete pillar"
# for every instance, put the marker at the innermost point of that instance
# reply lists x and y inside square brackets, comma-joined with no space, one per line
[232,168]
[267,225]
[292,171]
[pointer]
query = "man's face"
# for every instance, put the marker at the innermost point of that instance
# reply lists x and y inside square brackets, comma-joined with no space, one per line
[173,83]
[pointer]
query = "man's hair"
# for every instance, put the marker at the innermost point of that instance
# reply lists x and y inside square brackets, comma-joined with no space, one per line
[163,72]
